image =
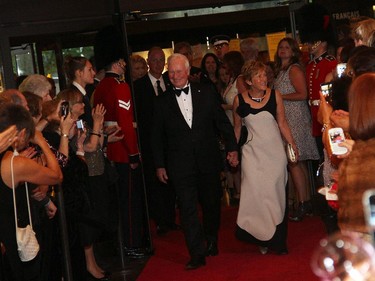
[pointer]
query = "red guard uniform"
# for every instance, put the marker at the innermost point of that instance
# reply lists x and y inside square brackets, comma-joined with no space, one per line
[316,72]
[116,97]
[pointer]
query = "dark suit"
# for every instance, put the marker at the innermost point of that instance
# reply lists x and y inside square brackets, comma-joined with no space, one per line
[161,197]
[192,159]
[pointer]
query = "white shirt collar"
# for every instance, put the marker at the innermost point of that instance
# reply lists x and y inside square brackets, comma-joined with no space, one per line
[80,88]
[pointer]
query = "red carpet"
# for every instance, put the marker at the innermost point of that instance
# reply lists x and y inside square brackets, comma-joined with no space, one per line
[237,260]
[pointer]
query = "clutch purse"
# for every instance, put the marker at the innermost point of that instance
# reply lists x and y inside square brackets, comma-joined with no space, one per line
[290,153]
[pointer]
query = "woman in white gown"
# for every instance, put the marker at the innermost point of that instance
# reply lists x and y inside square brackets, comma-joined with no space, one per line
[263,210]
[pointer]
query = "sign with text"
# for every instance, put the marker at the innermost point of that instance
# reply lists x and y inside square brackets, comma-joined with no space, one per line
[273,40]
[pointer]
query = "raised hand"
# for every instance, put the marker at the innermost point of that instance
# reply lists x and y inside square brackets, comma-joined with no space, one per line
[98,114]
[7,137]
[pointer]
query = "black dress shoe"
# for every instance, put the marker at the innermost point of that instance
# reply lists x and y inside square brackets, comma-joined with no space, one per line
[304,208]
[212,249]
[174,226]
[195,263]
[92,277]
[107,273]
[163,229]
[136,253]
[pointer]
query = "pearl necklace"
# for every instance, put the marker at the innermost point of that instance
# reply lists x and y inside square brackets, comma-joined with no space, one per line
[257,99]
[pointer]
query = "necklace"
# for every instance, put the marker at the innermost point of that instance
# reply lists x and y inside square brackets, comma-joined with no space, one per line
[257,99]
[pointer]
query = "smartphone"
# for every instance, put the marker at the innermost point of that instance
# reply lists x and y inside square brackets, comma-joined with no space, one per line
[368,202]
[64,109]
[336,136]
[80,125]
[340,69]
[326,89]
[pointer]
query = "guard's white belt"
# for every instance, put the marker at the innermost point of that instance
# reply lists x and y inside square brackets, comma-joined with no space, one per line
[314,102]
[114,123]
[110,123]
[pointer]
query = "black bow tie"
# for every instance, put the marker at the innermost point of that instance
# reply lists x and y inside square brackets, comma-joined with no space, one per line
[178,91]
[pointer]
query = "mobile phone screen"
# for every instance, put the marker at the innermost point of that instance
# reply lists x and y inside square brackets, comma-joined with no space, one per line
[340,69]
[336,136]
[326,89]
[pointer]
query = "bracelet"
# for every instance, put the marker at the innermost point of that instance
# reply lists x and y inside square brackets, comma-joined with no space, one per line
[65,136]
[95,134]
[325,126]
[48,203]
[80,153]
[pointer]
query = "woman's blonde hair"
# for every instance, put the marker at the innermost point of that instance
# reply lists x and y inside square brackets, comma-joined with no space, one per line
[252,68]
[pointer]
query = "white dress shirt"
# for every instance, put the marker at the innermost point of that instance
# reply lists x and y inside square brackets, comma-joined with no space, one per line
[153,82]
[186,106]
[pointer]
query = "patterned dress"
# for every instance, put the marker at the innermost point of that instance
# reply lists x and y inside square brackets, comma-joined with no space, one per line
[298,116]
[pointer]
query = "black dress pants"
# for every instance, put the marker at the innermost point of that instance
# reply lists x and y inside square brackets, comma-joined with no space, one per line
[203,189]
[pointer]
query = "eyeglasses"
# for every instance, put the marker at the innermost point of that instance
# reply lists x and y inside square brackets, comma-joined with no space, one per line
[218,47]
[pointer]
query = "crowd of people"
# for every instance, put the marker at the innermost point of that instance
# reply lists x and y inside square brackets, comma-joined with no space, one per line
[84,143]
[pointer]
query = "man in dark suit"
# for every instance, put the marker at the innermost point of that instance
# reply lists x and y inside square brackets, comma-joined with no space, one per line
[161,197]
[186,154]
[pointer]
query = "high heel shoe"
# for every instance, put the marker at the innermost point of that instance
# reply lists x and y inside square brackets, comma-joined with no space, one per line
[92,277]
[304,208]
[263,250]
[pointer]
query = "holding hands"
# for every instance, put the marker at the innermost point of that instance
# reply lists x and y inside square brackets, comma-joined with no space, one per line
[232,158]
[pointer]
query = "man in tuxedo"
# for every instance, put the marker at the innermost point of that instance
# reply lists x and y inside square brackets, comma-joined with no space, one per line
[161,197]
[186,154]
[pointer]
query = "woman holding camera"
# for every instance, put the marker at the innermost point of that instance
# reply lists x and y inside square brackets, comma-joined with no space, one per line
[84,185]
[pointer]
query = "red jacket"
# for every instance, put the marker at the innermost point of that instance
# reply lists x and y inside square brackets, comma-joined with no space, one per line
[316,72]
[116,97]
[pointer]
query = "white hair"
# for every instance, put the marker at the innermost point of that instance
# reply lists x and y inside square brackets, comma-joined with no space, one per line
[36,84]
[177,56]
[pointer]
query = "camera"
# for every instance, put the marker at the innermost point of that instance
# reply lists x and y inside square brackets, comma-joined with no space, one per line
[80,124]
[64,109]
[336,136]
[326,89]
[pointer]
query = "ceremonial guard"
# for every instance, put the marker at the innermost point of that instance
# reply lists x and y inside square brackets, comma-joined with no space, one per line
[317,31]
[114,93]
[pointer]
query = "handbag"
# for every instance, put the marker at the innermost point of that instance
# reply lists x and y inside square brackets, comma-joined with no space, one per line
[27,244]
[291,154]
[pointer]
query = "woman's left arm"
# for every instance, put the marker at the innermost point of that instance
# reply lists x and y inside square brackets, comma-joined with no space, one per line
[281,121]
[96,136]
[298,80]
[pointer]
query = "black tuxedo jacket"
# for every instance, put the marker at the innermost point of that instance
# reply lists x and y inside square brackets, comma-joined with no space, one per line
[181,149]
[144,97]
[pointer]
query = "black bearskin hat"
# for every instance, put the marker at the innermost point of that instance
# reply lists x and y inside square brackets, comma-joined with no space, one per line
[315,23]
[108,47]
